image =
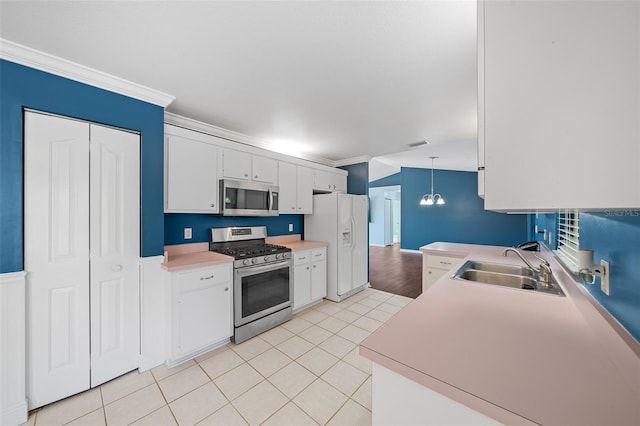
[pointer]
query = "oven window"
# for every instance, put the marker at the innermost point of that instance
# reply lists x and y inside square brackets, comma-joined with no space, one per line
[249,199]
[265,290]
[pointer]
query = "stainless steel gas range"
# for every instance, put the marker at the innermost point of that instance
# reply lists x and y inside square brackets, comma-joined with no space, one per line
[262,273]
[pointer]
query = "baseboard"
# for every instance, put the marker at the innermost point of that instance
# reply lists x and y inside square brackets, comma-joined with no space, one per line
[410,251]
[14,415]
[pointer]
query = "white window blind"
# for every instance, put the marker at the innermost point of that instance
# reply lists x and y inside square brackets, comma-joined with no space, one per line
[568,238]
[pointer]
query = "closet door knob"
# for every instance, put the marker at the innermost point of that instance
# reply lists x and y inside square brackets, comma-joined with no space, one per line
[116,268]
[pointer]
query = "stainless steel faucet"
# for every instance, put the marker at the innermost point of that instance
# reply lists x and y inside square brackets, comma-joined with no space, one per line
[544,271]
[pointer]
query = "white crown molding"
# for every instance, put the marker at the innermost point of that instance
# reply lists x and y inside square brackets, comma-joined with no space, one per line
[352,160]
[42,61]
[210,129]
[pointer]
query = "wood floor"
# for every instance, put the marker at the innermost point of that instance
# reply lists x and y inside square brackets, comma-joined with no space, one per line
[394,271]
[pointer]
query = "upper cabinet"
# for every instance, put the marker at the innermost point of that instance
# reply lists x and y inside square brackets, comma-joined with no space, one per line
[191,178]
[241,165]
[296,189]
[325,181]
[559,105]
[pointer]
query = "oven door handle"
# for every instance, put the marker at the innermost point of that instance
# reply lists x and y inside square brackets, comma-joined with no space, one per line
[260,268]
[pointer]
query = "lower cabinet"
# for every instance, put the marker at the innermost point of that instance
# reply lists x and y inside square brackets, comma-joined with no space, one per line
[201,310]
[434,267]
[309,277]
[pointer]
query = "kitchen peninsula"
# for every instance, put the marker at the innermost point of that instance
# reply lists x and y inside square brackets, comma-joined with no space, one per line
[472,352]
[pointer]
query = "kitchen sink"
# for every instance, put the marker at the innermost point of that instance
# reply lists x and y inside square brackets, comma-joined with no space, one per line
[504,275]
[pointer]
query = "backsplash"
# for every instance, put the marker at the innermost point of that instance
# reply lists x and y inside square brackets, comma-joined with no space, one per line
[174,224]
[615,237]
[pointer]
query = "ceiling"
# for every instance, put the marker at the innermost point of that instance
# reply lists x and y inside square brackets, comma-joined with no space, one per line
[327,79]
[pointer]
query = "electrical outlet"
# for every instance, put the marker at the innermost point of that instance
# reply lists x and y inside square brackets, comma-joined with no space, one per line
[604,279]
[187,233]
[291,227]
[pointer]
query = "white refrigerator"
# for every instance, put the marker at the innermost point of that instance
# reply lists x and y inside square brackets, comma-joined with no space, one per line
[342,221]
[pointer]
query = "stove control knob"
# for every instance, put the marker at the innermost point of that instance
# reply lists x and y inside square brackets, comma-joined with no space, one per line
[266,258]
[278,256]
[254,260]
[245,262]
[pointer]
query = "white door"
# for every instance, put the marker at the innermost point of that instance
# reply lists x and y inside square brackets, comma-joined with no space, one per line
[115,247]
[56,256]
[80,298]
[360,251]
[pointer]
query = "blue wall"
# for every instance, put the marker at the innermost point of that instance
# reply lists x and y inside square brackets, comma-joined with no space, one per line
[358,178]
[174,224]
[24,87]
[390,180]
[462,219]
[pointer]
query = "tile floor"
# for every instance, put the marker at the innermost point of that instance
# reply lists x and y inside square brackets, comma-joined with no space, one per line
[306,371]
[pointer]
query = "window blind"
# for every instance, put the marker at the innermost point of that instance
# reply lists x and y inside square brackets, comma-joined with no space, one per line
[568,238]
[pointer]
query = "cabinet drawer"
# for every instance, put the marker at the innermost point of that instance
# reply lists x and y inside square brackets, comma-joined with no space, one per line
[189,281]
[442,262]
[301,257]
[318,254]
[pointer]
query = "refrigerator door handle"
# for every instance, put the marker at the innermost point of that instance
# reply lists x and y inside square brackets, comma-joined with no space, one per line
[353,233]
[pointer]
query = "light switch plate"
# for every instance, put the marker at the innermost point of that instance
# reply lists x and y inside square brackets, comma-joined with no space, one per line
[187,233]
[291,227]
[604,279]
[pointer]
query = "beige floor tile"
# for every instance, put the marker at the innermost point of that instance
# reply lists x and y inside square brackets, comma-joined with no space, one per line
[211,353]
[399,300]
[389,308]
[315,334]
[227,416]
[379,315]
[276,335]
[346,315]
[198,404]
[367,323]
[363,395]
[337,346]
[317,361]
[353,333]
[259,403]
[313,315]
[95,418]
[358,296]
[351,414]
[330,308]
[333,324]
[354,358]
[161,417]
[290,415]
[345,303]
[380,295]
[251,348]
[344,377]
[359,308]
[295,347]
[370,302]
[269,362]
[176,385]
[220,363]
[124,385]
[31,419]
[292,379]
[296,325]
[320,401]
[134,406]
[237,381]
[71,408]
[160,372]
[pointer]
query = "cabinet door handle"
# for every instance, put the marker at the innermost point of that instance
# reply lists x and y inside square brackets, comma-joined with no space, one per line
[302,258]
[314,266]
[307,268]
[255,177]
[206,278]
[213,205]
[429,272]
[246,175]
[445,263]
[226,289]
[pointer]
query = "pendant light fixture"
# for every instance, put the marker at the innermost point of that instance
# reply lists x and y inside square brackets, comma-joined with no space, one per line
[431,199]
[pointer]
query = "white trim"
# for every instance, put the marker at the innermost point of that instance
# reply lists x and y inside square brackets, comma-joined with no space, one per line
[410,251]
[13,402]
[352,160]
[151,260]
[153,332]
[230,135]
[42,61]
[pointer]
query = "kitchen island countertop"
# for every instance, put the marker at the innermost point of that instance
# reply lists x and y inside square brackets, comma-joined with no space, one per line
[514,355]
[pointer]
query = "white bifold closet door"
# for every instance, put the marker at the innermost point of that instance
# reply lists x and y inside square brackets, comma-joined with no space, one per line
[82,243]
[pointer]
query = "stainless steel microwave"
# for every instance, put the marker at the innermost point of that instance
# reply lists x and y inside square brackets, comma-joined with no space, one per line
[240,198]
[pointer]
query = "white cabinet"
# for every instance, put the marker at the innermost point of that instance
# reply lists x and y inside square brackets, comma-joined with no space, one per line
[191,180]
[325,181]
[559,104]
[241,165]
[434,267]
[296,188]
[309,276]
[201,310]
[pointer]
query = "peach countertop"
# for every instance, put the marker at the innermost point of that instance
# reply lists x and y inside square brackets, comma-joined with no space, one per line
[194,255]
[514,355]
[295,243]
